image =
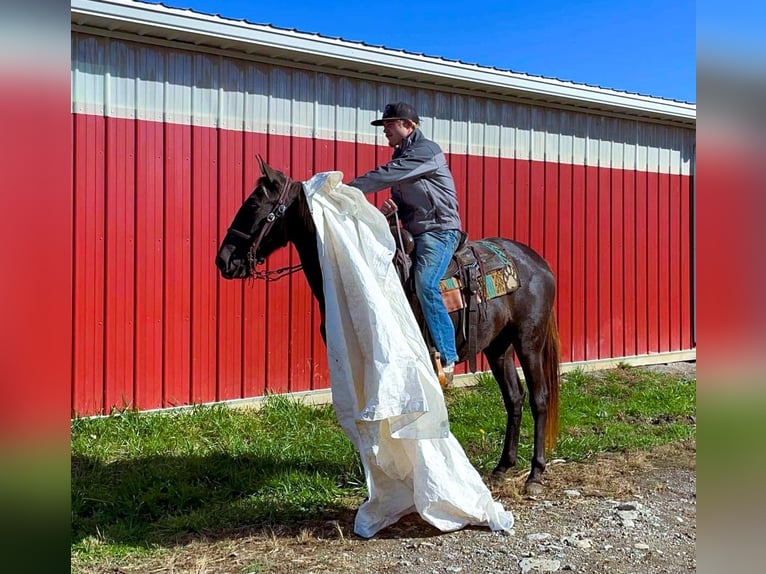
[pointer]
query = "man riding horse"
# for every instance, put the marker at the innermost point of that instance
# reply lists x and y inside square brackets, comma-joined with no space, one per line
[423,192]
[510,323]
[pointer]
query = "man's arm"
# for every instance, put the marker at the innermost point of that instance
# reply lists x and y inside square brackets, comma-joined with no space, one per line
[407,166]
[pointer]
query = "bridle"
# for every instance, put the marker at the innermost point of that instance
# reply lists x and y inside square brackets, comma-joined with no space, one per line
[278,211]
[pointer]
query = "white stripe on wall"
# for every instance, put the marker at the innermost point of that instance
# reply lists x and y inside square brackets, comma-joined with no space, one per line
[120,79]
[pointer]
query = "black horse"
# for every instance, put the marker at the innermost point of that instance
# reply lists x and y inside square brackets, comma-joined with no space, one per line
[276,213]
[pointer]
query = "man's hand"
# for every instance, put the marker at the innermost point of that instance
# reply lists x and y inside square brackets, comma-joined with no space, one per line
[388,207]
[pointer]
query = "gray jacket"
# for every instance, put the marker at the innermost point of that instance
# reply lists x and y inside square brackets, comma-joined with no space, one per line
[421,185]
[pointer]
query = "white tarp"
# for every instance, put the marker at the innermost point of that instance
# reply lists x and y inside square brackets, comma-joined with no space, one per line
[385,393]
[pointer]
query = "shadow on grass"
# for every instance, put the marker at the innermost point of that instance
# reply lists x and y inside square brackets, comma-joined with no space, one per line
[169,500]
[164,500]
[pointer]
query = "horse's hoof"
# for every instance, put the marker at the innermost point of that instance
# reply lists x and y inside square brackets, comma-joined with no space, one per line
[533,489]
[499,471]
[495,479]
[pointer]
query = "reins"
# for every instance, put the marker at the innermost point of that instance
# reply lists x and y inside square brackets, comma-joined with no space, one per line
[398,230]
[274,274]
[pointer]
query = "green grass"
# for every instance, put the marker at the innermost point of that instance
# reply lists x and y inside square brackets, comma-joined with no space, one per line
[144,482]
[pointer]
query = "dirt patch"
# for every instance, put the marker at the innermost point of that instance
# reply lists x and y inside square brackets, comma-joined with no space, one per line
[620,513]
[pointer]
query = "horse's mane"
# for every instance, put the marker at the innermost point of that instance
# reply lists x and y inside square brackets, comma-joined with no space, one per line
[303,210]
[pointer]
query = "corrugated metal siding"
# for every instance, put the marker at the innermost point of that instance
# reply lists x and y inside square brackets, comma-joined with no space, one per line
[165,144]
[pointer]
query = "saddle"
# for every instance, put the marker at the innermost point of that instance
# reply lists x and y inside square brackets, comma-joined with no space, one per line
[478,272]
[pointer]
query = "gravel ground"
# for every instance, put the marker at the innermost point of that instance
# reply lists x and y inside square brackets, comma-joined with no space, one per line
[617,514]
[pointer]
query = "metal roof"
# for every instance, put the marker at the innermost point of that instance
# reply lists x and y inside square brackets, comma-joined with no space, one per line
[157,23]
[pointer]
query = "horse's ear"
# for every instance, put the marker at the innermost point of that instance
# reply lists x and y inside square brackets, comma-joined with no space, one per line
[269,172]
[261,164]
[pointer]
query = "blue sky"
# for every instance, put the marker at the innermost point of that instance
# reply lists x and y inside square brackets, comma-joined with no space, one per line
[643,46]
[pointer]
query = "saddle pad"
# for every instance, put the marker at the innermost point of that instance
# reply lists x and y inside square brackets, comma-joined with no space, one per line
[495,283]
[500,282]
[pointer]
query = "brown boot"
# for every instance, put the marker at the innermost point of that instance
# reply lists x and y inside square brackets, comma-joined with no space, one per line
[439,370]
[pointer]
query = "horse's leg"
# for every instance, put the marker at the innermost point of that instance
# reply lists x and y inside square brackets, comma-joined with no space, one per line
[531,364]
[504,370]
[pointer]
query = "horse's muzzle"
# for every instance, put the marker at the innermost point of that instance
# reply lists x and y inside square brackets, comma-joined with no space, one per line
[230,266]
[236,271]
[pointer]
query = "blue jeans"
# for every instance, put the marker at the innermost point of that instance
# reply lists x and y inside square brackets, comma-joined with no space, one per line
[433,251]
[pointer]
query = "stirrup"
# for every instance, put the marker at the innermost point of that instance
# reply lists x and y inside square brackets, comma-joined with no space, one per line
[449,375]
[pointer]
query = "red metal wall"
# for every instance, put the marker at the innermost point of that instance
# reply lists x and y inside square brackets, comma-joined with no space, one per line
[154,326]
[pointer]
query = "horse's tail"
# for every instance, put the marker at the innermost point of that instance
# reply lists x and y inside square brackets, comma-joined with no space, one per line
[551,359]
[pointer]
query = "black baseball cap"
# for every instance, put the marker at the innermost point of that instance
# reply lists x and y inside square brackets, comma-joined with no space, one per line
[397,111]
